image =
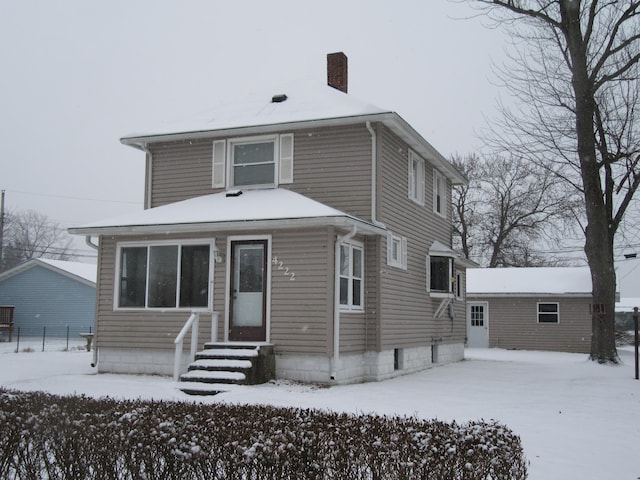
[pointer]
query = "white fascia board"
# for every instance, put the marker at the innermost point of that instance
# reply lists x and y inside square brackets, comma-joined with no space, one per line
[473,295]
[363,228]
[139,141]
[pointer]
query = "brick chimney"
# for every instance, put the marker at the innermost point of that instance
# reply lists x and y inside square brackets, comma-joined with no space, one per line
[337,71]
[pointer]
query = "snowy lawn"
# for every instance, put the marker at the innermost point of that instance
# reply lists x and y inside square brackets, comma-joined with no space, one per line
[576,419]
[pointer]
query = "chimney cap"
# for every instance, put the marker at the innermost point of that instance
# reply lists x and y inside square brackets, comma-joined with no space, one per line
[279,98]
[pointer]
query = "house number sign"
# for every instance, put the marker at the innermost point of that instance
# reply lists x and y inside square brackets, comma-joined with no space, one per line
[281,266]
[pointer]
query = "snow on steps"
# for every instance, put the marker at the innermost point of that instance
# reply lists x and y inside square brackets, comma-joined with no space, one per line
[221,365]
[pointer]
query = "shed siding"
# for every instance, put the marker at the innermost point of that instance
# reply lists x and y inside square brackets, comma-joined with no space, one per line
[47,299]
[513,323]
[406,317]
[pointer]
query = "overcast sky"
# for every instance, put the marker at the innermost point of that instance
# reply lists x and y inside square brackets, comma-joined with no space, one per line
[79,75]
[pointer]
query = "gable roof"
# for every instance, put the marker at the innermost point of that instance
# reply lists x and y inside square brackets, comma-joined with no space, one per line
[239,210]
[307,105]
[83,272]
[529,281]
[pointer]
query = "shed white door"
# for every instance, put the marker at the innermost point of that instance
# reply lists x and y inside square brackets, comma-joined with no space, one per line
[478,324]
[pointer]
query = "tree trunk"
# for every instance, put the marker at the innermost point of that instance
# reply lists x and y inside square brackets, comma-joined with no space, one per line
[600,230]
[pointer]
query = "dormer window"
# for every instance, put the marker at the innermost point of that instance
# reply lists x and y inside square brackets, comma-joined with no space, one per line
[264,161]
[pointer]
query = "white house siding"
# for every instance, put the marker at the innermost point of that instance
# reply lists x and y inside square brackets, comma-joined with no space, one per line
[513,323]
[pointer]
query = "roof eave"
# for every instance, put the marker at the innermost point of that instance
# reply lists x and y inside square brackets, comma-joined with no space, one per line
[345,222]
[391,119]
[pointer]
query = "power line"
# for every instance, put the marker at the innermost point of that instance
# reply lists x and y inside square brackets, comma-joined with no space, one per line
[74,198]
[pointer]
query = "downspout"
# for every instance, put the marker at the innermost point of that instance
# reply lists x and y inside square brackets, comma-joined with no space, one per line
[374,177]
[149,169]
[94,360]
[336,301]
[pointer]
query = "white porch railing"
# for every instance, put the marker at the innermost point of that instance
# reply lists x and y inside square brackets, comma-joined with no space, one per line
[193,323]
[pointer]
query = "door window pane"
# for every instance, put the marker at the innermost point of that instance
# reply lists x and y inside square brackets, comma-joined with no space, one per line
[251,269]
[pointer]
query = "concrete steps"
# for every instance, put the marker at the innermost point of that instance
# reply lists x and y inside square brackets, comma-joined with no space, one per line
[221,365]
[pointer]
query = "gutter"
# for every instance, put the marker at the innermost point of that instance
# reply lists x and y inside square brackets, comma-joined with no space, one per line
[336,301]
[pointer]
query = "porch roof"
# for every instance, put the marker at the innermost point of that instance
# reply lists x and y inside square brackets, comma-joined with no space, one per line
[231,210]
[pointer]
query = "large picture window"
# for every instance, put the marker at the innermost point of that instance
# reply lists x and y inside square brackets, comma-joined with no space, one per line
[351,276]
[164,276]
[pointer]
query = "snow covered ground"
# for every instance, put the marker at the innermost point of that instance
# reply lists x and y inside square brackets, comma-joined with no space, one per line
[576,419]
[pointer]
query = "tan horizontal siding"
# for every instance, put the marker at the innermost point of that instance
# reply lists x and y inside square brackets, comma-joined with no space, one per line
[407,312]
[513,323]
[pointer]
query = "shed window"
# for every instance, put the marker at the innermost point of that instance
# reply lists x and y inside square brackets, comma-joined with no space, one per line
[548,313]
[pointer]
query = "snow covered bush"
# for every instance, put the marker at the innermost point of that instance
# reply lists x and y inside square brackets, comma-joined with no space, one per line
[52,437]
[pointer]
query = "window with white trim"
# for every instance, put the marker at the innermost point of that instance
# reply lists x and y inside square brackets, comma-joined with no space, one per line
[253,161]
[439,194]
[459,289]
[396,251]
[164,275]
[548,312]
[439,274]
[351,276]
[415,169]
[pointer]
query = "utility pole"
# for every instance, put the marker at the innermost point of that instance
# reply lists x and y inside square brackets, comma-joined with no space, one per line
[1,230]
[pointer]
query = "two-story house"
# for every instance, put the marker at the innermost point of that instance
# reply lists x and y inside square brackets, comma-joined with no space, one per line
[303,220]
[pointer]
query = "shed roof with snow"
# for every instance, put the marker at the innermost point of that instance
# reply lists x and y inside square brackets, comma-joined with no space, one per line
[529,281]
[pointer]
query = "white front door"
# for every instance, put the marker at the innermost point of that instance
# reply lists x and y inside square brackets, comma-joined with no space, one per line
[478,324]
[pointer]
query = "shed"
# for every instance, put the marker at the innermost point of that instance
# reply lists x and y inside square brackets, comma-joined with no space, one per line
[51,295]
[537,308]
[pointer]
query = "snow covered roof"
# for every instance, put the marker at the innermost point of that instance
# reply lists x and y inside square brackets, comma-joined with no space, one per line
[238,210]
[529,281]
[307,104]
[86,272]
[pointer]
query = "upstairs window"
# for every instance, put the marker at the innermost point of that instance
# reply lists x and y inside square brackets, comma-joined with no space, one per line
[164,276]
[416,178]
[439,194]
[253,161]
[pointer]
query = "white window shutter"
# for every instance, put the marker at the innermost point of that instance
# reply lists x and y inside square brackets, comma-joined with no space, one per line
[389,248]
[219,157]
[286,158]
[404,252]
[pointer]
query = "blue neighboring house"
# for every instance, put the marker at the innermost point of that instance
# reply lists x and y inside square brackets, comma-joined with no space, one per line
[51,294]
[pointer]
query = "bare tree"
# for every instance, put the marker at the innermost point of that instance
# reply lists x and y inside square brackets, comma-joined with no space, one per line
[30,235]
[576,74]
[508,209]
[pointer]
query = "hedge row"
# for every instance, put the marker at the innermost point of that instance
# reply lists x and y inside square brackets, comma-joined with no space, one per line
[45,436]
